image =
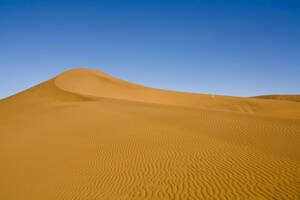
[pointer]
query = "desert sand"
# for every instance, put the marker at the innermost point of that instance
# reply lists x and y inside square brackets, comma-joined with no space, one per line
[85,135]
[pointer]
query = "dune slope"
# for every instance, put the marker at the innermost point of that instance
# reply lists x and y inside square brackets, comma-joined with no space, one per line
[295,98]
[87,135]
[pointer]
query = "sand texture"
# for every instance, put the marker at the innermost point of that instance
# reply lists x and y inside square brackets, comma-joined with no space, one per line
[85,135]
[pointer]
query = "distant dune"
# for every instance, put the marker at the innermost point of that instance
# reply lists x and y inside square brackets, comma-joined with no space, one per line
[281,97]
[87,135]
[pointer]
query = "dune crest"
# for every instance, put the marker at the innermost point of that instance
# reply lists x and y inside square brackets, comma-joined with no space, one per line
[96,84]
[87,135]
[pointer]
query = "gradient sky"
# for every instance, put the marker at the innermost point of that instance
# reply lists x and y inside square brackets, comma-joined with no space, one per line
[237,48]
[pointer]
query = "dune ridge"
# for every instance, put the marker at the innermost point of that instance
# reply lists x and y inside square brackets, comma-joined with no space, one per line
[79,84]
[87,135]
[295,97]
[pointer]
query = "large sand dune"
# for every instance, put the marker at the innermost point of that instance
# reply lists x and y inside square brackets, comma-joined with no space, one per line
[85,135]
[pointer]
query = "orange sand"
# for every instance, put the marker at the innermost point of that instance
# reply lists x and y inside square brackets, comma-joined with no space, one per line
[85,135]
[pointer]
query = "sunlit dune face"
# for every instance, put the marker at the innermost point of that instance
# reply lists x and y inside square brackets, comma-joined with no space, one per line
[87,135]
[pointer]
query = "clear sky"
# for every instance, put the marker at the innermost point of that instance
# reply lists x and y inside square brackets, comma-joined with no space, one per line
[232,47]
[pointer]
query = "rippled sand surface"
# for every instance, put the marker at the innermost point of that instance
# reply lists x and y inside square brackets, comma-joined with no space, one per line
[85,135]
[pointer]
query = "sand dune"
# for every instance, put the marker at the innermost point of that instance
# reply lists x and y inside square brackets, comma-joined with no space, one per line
[87,135]
[281,97]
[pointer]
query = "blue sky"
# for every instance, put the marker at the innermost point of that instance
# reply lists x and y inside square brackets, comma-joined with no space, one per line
[237,48]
